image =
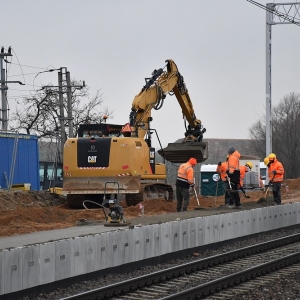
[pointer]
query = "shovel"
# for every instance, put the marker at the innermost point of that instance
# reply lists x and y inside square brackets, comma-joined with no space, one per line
[219,178]
[197,208]
[236,191]
[243,191]
[264,199]
[230,190]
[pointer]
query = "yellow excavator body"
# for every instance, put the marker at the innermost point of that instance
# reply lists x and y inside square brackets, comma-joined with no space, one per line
[108,159]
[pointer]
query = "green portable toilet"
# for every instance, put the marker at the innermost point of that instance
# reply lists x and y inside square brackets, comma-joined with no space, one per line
[211,184]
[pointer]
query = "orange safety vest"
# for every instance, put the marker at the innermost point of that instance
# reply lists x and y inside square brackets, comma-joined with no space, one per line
[233,161]
[186,173]
[243,170]
[221,170]
[278,167]
[234,166]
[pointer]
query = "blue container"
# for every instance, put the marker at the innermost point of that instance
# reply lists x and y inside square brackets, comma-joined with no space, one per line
[25,167]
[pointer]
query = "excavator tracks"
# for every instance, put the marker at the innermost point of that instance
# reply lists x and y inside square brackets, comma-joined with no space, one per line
[151,191]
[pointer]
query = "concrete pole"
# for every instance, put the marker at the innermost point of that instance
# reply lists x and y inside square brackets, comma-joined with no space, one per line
[4,117]
[269,20]
[268,82]
[62,116]
[70,113]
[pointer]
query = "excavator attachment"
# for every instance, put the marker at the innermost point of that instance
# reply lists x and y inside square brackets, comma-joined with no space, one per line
[181,152]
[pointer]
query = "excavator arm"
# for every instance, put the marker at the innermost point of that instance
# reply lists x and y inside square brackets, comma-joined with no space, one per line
[152,96]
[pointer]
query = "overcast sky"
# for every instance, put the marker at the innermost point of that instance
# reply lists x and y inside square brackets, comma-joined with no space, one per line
[219,47]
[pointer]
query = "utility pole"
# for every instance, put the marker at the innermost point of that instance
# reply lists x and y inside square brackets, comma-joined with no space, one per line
[4,88]
[61,113]
[70,112]
[276,14]
[65,89]
[3,94]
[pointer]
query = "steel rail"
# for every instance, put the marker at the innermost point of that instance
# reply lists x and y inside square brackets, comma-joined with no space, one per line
[134,284]
[212,287]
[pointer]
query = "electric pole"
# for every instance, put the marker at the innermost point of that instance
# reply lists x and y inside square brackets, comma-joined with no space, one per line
[61,112]
[70,112]
[64,77]
[276,14]
[4,88]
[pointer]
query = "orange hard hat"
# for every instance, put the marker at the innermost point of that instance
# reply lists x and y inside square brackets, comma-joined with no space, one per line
[193,161]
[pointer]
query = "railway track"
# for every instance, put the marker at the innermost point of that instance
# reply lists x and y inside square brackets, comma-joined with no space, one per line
[216,277]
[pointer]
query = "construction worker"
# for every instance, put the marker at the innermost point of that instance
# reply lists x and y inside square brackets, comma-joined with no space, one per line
[275,173]
[185,180]
[261,184]
[233,175]
[221,170]
[243,170]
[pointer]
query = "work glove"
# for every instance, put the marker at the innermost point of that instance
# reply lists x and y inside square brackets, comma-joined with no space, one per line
[192,185]
[274,172]
[219,164]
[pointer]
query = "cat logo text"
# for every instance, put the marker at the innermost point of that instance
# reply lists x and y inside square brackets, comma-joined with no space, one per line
[92,159]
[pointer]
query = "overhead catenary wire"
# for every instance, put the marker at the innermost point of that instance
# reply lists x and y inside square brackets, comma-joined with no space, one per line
[19,63]
[33,90]
[22,90]
[29,66]
[23,74]
[285,17]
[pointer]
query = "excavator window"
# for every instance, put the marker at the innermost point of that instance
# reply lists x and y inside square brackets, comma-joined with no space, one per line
[99,130]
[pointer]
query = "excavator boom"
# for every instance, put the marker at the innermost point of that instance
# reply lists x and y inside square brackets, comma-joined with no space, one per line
[152,96]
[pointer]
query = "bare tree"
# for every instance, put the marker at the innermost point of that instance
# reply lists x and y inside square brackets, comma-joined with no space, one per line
[40,114]
[285,134]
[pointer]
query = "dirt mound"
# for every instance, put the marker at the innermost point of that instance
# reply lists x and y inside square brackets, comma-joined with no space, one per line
[31,211]
[15,199]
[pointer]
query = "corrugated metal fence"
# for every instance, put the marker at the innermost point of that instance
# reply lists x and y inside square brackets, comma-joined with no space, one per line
[19,160]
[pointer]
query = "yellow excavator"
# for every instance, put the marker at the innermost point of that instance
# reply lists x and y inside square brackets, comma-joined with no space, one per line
[106,160]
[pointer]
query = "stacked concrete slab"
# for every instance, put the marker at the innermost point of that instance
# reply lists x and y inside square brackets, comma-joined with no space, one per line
[28,266]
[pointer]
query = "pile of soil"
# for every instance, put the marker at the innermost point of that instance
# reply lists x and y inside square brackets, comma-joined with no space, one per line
[31,211]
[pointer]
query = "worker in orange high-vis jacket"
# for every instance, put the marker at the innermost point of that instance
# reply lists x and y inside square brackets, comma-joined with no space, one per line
[233,175]
[185,180]
[221,170]
[275,173]
[243,170]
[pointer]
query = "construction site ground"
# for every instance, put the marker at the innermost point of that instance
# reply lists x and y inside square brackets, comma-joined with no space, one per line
[32,211]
